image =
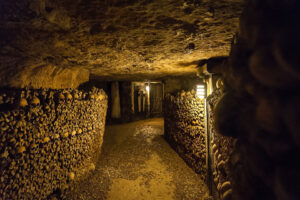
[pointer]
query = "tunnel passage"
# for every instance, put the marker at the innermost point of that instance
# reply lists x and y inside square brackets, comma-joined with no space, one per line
[252,119]
[137,163]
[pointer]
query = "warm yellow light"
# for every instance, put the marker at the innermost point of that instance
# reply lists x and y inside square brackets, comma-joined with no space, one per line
[201,91]
[147,88]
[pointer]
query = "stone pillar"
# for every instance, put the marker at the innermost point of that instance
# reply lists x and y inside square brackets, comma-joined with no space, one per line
[144,102]
[139,102]
[132,97]
[115,100]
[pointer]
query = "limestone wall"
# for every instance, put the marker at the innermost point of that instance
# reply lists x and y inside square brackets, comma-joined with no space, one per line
[185,129]
[49,140]
[59,44]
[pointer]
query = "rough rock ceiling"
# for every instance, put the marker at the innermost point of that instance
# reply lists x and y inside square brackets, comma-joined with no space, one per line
[60,43]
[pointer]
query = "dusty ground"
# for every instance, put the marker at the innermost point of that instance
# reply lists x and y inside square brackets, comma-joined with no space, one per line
[138,164]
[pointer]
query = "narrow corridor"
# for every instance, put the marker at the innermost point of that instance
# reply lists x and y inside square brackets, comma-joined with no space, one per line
[138,164]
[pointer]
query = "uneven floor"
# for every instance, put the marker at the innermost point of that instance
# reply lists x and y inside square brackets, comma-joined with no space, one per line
[138,164]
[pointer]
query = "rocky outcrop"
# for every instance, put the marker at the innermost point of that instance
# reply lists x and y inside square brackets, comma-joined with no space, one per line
[50,139]
[185,129]
[120,39]
[260,105]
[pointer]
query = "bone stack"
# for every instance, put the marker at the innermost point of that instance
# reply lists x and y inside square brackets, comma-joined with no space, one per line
[50,139]
[185,128]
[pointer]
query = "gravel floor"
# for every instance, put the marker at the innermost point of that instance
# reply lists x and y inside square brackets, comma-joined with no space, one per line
[138,164]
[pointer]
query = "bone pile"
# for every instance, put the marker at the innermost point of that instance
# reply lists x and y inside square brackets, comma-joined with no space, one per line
[50,139]
[185,129]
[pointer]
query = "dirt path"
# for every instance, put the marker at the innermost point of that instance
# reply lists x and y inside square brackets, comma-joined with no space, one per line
[138,164]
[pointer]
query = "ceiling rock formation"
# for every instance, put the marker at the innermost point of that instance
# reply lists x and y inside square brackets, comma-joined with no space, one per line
[63,43]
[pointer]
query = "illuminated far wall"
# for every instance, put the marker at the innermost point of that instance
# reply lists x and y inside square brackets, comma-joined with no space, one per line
[147,98]
[139,97]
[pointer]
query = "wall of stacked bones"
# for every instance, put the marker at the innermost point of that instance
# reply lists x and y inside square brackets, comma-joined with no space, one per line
[49,139]
[185,129]
[260,105]
[221,148]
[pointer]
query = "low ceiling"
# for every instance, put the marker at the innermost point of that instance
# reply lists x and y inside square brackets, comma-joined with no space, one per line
[62,43]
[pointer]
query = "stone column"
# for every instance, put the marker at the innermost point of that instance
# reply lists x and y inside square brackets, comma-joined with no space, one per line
[132,97]
[144,102]
[115,100]
[139,102]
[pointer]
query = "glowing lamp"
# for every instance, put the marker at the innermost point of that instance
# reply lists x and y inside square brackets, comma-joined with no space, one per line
[200,91]
[147,88]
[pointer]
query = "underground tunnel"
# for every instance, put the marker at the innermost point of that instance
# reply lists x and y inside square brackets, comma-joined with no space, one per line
[150,99]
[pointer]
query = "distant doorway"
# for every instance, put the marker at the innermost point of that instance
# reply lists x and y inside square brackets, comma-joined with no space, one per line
[147,99]
[140,97]
[156,98]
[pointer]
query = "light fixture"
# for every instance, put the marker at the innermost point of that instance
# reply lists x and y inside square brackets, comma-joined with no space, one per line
[200,91]
[147,88]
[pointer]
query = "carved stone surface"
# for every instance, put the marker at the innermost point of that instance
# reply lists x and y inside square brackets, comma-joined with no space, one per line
[59,43]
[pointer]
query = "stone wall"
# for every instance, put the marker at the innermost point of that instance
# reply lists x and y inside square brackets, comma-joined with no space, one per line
[260,105]
[50,139]
[221,149]
[185,129]
[61,43]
